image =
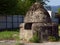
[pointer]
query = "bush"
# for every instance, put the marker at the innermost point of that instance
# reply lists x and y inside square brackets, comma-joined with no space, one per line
[35,39]
[52,38]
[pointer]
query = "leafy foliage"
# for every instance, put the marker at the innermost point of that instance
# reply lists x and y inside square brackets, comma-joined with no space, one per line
[8,6]
[13,7]
[59,10]
[52,38]
[35,38]
[23,6]
[43,2]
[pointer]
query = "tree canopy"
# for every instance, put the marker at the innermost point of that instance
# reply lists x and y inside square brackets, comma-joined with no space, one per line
[43,2]
[59,10]
[23,5]
[13,7]
[8,6]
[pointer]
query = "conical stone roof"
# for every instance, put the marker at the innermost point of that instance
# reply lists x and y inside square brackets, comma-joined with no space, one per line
[37,13]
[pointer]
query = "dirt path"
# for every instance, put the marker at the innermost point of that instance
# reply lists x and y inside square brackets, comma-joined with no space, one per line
[47,43]
[8,42]
[14,43]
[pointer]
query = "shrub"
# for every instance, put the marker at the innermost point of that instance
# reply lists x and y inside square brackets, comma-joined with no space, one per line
[35,39]
[52,38]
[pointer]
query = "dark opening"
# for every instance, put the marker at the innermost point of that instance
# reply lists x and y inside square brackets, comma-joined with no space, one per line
[59,20]
[28,26]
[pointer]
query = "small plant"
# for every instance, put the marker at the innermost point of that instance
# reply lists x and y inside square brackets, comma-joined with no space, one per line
[35,39]
[52,38]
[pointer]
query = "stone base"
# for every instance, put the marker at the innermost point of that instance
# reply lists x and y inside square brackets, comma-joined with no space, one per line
[44,30]
[25,34]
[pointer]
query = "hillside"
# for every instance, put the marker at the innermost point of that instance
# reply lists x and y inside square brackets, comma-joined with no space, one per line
[55,8]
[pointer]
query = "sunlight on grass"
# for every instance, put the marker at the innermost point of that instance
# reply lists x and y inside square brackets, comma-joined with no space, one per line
[9,35]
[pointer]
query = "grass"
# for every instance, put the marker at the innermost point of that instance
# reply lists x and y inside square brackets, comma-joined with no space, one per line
[9,35]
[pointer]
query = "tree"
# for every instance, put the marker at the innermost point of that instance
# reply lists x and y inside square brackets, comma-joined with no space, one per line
[12,7]
[42,1]
[59,10]
[8,6]
[15,6]
[24,5]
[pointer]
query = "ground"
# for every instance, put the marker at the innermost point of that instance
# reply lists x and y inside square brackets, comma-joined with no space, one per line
[47,43]
[8,34]
[16,43]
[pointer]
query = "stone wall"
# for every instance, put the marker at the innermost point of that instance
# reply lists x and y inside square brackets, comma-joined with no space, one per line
[25,34]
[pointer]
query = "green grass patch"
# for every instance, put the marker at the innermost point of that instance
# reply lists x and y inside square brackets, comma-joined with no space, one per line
[52,39]
[9,35]
[35,39]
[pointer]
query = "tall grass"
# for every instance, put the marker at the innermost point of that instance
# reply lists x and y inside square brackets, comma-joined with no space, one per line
[9,35]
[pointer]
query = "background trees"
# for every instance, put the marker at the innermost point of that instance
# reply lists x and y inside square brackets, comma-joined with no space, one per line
[59,10]
[23,6]
[8,6]
[43,2]
[13,7]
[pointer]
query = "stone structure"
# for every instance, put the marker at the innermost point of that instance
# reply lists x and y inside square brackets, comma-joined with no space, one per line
[38,20]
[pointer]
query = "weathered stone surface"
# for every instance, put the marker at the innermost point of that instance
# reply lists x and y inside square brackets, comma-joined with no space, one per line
[37,13]
[45,30]
[25,35]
